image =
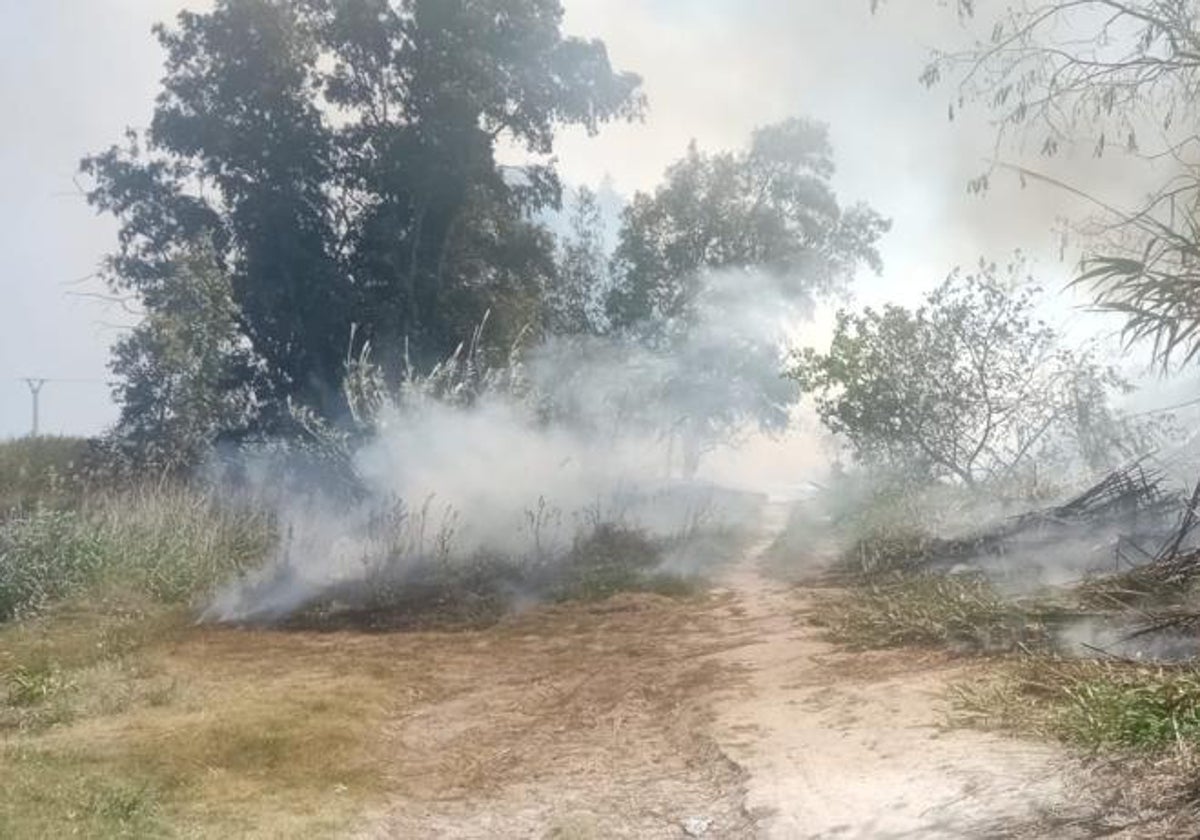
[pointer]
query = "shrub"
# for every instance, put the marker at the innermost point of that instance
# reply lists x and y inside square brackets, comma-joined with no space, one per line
[610,559]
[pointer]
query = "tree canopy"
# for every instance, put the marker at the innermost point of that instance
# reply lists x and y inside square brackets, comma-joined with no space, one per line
[770,207]
[339,156]
[321,178]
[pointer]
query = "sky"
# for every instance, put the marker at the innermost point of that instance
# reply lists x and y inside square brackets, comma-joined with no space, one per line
[75,73]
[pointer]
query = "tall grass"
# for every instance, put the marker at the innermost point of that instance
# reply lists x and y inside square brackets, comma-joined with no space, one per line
[168,544]
[41,470]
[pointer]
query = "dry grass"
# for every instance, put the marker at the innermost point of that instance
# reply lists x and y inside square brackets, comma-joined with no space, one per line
[144,726]
[121,718]
[962,612]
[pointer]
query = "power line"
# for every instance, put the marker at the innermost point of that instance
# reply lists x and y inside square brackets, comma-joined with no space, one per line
[65,379]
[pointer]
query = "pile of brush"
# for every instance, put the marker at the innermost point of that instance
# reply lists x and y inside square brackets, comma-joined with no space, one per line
[1160,590]
[1129,506]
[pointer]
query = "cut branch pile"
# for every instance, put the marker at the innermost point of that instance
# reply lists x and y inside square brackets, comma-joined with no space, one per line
[1130,500]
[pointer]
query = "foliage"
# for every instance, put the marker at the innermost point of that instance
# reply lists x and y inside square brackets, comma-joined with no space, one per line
[185,373]
[968,386]
[573,300]
[339,156]
[1105,75]
[721,232]
[770,208]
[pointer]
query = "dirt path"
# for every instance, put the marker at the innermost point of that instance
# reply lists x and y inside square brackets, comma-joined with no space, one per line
[643,717]
[846,745]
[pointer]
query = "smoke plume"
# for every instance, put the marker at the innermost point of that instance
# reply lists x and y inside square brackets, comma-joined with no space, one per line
[574,434]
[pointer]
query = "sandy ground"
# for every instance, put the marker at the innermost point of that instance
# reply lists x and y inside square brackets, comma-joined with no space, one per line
[853,746]
[723,717]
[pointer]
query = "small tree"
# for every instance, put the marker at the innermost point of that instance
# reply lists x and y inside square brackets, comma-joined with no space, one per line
[573,303]
[970,386]
[726,233]
[185,371]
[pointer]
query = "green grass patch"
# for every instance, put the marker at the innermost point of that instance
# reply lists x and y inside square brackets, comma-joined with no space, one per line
[51,794]
[1090,703]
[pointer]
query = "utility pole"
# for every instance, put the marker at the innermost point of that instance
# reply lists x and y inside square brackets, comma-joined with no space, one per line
[35,389]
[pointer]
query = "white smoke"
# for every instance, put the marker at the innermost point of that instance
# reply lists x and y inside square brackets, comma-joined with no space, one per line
[596,430]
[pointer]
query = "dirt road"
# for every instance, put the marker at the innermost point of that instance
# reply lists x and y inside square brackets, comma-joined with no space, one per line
[846,745]
[726,717]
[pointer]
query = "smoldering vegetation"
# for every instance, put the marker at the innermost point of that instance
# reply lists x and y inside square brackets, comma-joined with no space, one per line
[1107,571]
[563,469]
[566,470]
[1085,607]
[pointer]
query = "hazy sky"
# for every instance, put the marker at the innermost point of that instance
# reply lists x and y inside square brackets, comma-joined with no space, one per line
[75,73]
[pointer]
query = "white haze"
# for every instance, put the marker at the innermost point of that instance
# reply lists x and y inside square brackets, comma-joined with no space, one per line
[583,433]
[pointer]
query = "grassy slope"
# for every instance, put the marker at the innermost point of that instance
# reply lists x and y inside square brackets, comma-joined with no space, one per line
[33,469]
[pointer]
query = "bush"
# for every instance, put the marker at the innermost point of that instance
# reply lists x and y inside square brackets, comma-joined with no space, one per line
[609,560]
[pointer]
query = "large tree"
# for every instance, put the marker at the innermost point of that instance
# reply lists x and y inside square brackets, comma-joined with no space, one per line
[340,157]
